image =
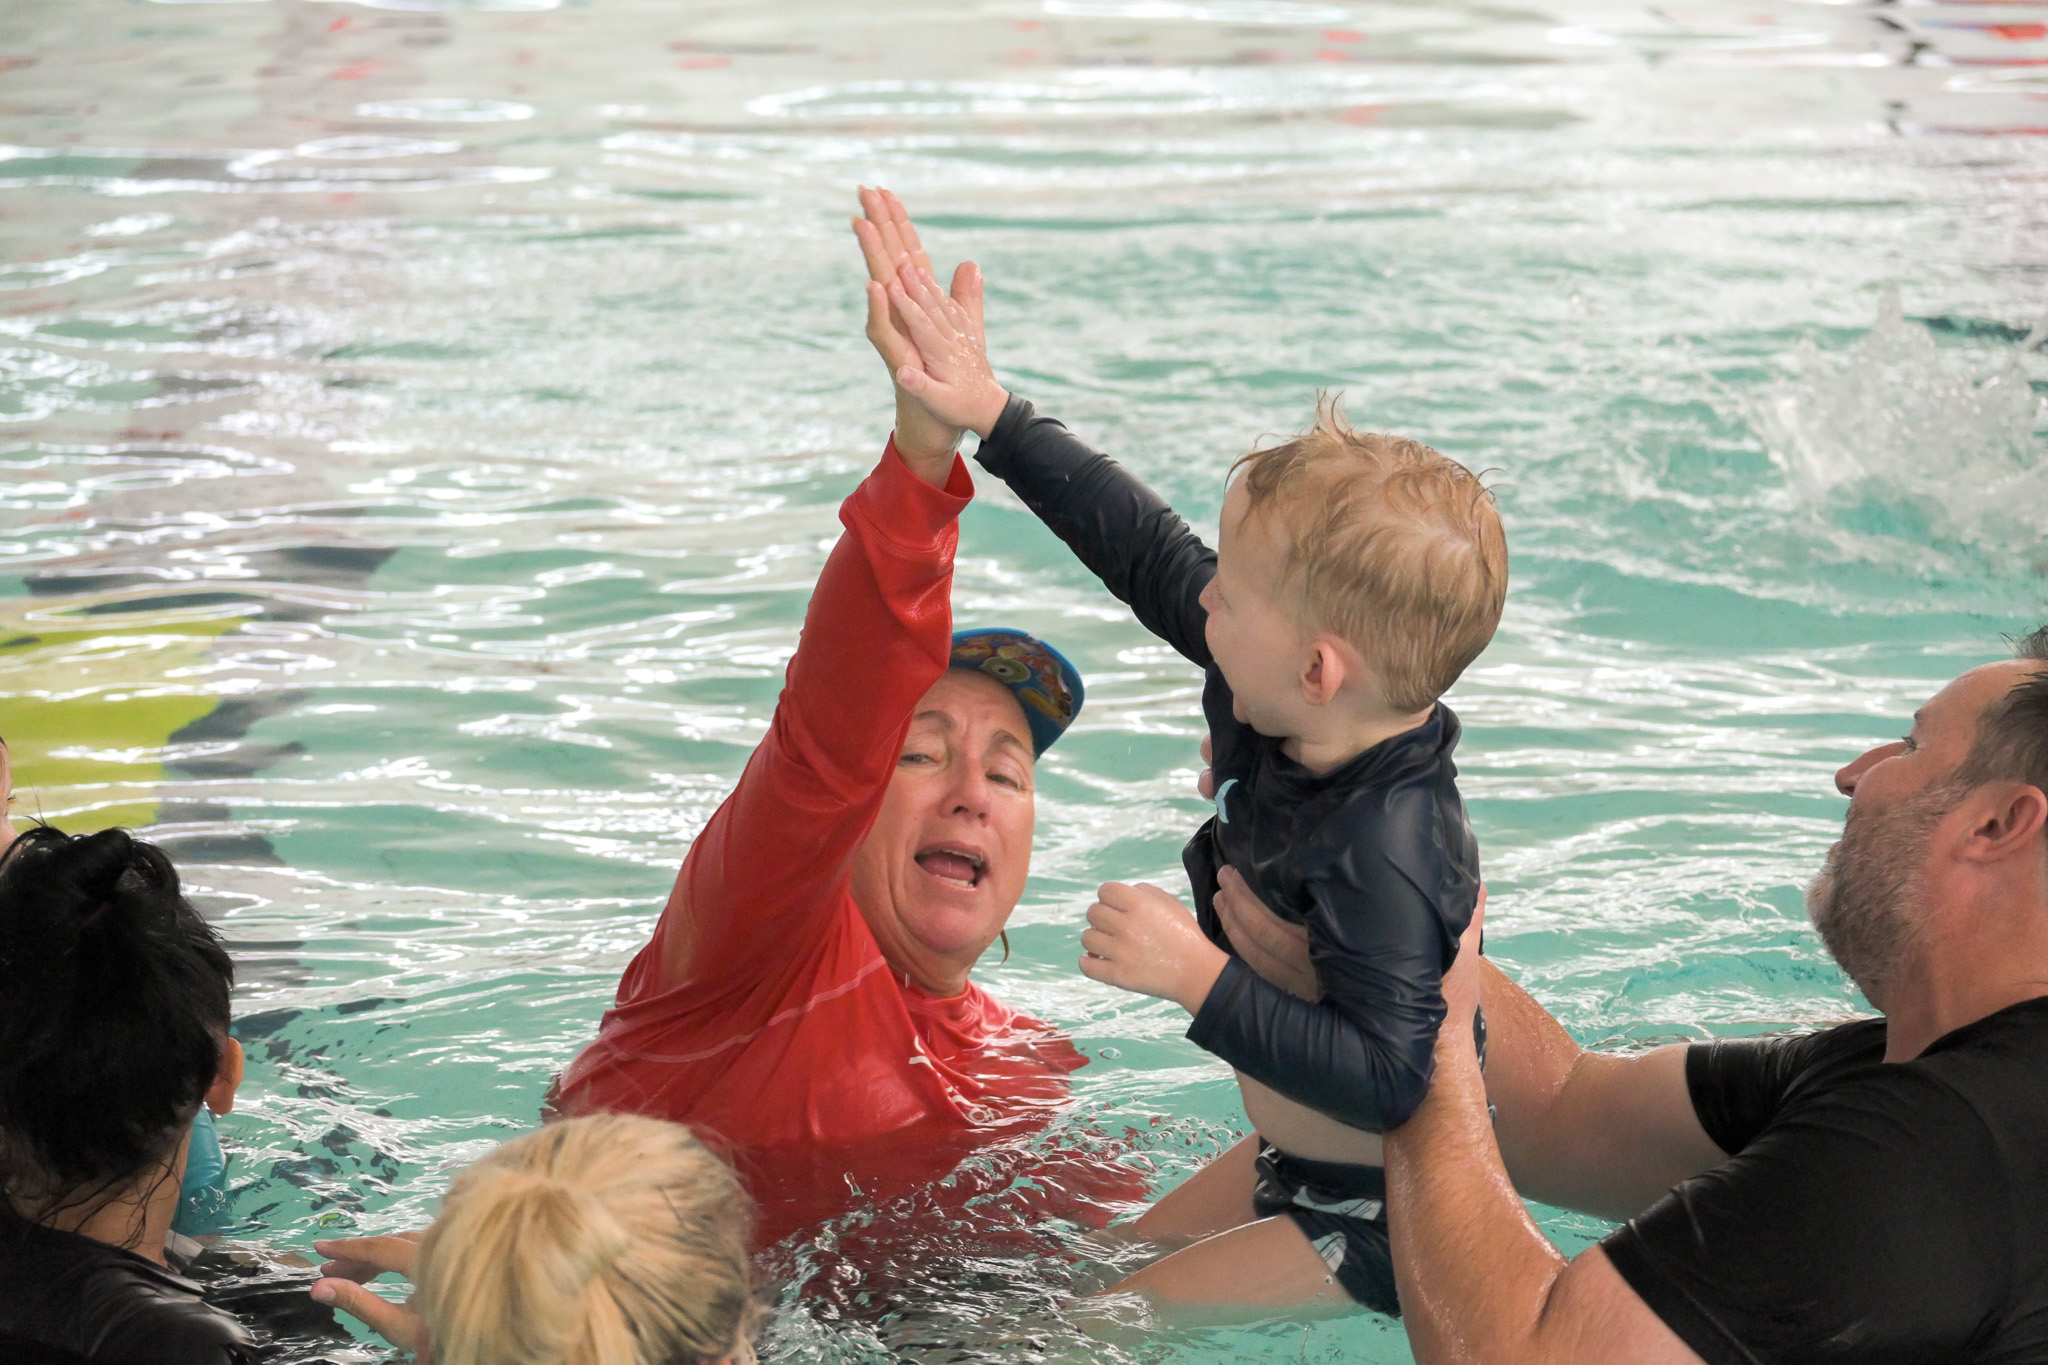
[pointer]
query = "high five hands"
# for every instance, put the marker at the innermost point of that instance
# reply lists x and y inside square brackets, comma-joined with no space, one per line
[931,340]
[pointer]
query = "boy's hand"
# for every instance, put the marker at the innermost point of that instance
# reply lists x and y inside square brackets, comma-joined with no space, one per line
[1141,939]
[952,376]
[888,240]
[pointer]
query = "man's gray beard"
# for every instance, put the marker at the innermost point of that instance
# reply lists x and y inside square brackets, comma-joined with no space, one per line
[1867,901]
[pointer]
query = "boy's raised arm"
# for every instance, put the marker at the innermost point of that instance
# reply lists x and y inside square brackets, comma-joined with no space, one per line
[1122,530]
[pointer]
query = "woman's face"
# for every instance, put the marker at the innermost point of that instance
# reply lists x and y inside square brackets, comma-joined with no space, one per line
[946,860]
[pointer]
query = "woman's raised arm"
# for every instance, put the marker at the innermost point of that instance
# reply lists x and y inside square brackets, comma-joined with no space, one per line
[877,634]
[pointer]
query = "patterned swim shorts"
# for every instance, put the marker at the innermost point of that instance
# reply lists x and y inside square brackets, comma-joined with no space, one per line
[1342,1210]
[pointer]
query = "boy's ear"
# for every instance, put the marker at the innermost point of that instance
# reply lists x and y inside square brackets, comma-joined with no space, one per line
[1325,673]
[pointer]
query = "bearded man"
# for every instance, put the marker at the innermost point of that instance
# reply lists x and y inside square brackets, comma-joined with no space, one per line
[1876,1192]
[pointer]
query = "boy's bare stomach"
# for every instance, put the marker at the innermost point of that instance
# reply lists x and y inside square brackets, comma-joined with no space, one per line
[1300,1131]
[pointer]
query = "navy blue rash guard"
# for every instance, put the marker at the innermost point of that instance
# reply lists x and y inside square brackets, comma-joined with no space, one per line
[1375,857]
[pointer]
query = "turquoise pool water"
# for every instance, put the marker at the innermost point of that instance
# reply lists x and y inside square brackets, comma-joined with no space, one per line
[421,422]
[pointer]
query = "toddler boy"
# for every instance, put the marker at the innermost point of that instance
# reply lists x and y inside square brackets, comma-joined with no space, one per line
[1356,577]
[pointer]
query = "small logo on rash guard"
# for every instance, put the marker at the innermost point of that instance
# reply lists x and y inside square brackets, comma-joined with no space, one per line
[1222,792]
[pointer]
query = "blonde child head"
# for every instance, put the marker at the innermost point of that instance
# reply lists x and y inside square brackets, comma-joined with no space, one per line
[1391,547]
[609,1240]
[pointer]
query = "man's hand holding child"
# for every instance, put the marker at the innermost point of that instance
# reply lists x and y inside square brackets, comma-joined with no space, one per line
[1142,939]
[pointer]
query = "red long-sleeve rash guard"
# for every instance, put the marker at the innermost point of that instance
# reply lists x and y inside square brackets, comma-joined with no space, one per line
[762,1009]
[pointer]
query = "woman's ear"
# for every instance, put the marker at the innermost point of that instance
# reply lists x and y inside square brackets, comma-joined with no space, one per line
[220,1096]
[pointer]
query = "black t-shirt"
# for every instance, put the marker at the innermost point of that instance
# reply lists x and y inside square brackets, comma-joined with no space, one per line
[1868,1212]
[62,1295]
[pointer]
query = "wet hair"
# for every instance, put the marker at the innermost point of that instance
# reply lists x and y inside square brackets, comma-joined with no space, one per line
[606,1240]
[113,1007]
[2012,732]
[1394,548]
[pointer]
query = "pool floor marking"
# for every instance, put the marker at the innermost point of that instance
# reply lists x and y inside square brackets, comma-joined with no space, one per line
[88,704]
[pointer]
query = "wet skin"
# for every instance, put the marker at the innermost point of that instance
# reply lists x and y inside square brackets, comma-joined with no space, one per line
[946,860]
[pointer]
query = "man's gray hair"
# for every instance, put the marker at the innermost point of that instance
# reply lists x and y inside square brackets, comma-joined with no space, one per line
[2012,734]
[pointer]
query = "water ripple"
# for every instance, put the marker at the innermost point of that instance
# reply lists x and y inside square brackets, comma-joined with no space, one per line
[408,512]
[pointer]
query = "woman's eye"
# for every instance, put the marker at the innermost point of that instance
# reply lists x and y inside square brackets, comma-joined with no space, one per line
[916,756]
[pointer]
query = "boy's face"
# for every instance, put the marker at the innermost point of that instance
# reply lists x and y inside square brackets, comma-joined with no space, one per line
[1254,631]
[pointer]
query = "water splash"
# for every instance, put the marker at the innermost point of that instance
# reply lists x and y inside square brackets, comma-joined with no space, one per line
[1895,423]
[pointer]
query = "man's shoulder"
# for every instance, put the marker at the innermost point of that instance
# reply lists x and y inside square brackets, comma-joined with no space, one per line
[1868,1209]
[2014,1037]
[1997,1067]
[1946,1115]
[1783,1059]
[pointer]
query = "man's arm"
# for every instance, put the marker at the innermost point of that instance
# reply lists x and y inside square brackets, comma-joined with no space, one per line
[1583,1130]
[1478,1281]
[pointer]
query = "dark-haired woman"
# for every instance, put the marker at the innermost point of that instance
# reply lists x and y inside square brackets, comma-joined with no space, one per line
[113,1033]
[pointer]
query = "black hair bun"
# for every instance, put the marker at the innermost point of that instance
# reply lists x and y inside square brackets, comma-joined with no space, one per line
[113,1001]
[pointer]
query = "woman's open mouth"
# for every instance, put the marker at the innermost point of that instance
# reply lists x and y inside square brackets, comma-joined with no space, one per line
[955,863]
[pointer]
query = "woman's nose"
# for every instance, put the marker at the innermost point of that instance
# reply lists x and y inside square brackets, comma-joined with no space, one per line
[970,792]
[1847,778]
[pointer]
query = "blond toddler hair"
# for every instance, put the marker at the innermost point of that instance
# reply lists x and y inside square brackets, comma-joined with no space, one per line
[1395,549]
[608,1240]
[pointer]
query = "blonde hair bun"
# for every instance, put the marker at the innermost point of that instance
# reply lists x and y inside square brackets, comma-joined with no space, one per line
[608,1240]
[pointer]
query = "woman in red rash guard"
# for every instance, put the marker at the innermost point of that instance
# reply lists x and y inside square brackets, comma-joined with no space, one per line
[805,996]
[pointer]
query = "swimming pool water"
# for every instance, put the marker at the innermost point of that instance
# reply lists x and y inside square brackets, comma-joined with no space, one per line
[423,421]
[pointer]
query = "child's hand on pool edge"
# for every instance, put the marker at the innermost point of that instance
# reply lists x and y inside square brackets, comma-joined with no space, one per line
[1142,939]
